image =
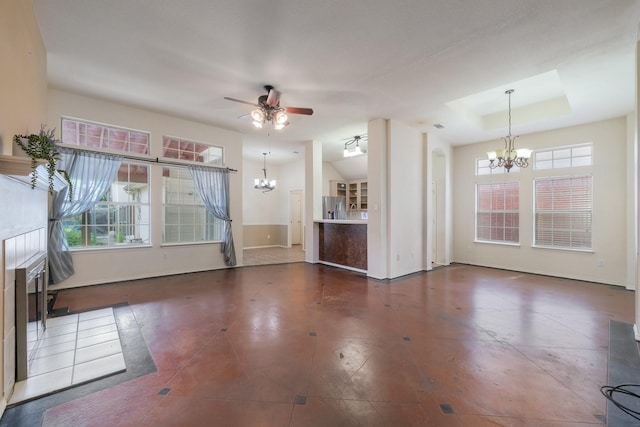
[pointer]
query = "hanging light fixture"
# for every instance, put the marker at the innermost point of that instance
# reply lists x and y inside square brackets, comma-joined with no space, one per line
[264,183]
[509,156]
[351,150]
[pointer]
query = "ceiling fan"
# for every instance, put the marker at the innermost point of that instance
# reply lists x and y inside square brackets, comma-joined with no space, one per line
[268,109]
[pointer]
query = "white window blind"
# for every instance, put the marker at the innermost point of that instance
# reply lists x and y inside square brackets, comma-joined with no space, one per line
[563,212]
[498,212]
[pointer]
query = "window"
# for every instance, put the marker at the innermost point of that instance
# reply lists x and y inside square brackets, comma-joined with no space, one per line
[175,148]
[104,138]
[120,218]
[498,212]
[565,157]
[185,217]
[563,212]
[482,168]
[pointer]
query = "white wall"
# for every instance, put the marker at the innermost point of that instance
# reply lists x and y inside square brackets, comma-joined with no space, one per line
[329,173]
[609,171]
[396,186]
[406,187]
[438,175]
[377,222]
[259,208]
[272,207]
[156,260]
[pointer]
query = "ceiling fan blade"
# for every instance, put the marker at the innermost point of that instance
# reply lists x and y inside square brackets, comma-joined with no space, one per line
[274,98]
[241,101]
[298,110]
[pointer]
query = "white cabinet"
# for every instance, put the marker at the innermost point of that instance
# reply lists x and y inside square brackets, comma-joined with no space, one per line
[357,195]
[337,188]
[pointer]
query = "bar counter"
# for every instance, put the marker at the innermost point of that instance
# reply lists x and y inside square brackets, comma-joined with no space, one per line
[343,243]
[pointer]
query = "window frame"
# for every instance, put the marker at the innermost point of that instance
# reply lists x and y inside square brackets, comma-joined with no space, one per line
[503,211]
[182,148]
[208,224]
[85,222]
[555,159]
[571,230]
[87,218]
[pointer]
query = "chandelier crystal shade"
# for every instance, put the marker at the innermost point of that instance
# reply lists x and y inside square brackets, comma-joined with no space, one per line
[509,156]
[265,184]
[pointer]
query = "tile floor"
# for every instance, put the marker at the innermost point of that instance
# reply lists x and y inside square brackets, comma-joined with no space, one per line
[273,255]
[74,349]
[312,345]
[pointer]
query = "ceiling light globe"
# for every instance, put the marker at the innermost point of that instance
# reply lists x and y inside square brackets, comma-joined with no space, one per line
[281,118]
[257,115]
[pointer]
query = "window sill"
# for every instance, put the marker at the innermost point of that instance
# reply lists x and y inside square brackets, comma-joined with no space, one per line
[208,242]
[489,242]
[586,251]
[107,248]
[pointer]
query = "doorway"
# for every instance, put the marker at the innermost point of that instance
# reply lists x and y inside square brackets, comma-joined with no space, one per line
[439,209]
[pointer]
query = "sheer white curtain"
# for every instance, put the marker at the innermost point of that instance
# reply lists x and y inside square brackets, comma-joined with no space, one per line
[213,186]
[91,175]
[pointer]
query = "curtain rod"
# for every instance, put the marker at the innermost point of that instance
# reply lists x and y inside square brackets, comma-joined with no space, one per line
[147,159]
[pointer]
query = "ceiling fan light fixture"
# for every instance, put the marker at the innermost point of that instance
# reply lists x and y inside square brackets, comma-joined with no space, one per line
[257,115]
[269,110]
[281,118]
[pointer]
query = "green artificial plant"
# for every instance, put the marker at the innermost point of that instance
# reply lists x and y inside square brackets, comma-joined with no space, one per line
[42,146]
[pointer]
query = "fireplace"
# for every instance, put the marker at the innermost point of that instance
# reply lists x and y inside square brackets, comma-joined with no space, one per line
[31,311]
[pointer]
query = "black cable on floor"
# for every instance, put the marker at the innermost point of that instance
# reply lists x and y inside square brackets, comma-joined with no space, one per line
[609,392]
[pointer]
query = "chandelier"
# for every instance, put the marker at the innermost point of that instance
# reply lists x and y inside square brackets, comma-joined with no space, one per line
[509,156]
[264,184]
[351,150]
[267,113]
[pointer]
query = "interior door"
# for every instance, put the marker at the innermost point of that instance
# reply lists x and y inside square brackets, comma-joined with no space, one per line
[295,216]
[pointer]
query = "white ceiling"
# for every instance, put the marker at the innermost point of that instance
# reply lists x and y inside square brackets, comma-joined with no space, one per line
[419,62]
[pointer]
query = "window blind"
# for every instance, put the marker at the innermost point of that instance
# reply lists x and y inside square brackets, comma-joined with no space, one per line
[563,212]
[498,212]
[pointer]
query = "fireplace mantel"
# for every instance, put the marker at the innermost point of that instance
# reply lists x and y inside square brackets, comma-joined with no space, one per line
[16,165]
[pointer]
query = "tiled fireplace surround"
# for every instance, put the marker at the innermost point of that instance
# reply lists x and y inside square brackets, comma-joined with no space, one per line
[23,233]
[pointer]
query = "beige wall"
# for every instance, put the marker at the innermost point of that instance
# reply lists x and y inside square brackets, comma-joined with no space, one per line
[157,260]
[262,235]
[23,73]
[607,262]
[22,110]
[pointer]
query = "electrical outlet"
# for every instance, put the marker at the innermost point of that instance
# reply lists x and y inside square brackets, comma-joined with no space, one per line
[600,263]
[268,236]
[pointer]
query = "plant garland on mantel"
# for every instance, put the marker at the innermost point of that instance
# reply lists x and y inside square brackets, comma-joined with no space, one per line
[42,146]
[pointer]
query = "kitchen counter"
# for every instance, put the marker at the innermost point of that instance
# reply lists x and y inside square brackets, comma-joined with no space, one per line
[341,221]
[343,243]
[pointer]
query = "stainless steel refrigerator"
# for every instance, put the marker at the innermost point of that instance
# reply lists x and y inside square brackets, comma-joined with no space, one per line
[334,207]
